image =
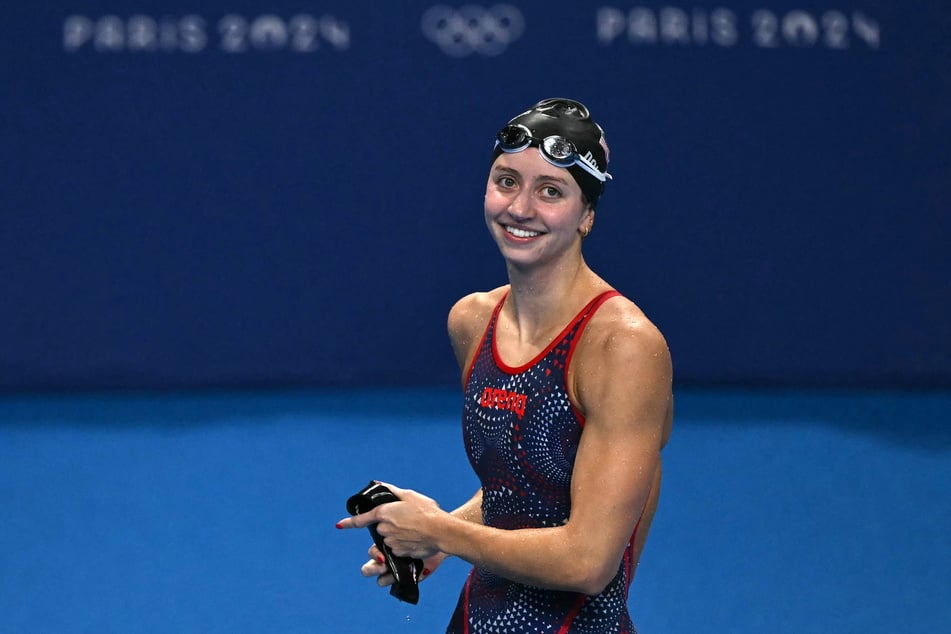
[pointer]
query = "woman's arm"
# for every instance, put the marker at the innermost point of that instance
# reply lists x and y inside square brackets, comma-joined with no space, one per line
[466,322]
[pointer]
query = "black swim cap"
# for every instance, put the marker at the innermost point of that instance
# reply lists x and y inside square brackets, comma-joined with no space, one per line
[569,119]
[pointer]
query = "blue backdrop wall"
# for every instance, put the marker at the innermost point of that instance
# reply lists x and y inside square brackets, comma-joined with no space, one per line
[238,193]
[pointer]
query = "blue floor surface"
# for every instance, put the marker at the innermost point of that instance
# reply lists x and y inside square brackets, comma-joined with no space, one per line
[201,513]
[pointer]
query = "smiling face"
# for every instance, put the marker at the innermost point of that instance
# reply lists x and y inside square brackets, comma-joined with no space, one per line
[534,210]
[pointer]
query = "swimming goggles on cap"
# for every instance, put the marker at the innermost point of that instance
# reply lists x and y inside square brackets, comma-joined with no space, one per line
[555,149]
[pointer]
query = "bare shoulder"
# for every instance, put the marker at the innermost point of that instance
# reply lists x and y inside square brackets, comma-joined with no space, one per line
[623,359]
[620,327]
[468,318]
[474,309]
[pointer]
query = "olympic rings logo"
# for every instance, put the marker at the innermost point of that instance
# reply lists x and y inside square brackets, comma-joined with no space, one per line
[473,29]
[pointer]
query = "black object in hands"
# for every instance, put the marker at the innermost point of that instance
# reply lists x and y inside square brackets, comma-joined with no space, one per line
[405,570]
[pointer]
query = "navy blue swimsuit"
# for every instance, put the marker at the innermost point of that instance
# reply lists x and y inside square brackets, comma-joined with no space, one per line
[521,434]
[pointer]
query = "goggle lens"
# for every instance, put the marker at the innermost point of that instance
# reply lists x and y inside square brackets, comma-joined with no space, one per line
[559,150]
[514,138]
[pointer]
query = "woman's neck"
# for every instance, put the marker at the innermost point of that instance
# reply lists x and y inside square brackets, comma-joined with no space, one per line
[544,300]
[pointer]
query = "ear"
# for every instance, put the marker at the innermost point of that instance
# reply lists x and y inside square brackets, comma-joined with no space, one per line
[587,222]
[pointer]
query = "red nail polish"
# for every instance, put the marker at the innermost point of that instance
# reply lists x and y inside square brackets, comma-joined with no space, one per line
[339,525]
[380,559]
[425,571]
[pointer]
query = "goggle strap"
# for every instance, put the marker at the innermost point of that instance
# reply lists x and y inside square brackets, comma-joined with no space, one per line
[601,176]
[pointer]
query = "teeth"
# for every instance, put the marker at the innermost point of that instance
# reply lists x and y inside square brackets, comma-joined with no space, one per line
[521,233]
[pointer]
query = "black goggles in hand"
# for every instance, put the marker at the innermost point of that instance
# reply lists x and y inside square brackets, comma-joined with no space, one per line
[555,149]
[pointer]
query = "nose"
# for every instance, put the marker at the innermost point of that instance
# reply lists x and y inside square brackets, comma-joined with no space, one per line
[520,207]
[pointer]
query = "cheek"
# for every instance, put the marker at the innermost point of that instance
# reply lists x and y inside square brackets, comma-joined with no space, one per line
[491,212]
[494,202]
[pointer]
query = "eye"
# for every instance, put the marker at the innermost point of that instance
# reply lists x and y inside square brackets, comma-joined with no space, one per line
[549,191]
[506,181]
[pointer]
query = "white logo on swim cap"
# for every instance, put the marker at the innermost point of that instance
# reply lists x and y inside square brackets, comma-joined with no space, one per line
[473,29]
[590,160]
